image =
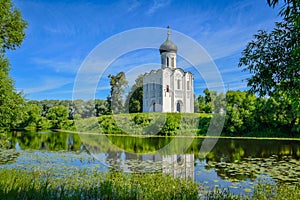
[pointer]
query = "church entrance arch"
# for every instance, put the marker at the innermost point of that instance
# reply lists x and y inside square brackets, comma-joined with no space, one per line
[179,106]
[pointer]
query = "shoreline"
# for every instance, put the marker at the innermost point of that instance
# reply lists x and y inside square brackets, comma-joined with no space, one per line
[179,136]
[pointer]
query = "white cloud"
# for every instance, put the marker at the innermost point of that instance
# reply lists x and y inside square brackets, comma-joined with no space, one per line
[47,83]
[133,5]
[69,66]
[158,4]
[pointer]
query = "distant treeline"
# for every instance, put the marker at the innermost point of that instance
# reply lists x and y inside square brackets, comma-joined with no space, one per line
[244,114]
[60,114]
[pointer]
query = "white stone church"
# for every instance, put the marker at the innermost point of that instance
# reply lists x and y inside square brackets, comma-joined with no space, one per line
[169,89]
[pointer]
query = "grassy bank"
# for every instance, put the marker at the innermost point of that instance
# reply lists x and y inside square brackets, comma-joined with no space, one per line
[22,184]
[170,124]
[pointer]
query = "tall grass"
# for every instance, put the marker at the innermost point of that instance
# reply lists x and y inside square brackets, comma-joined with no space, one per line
[21,184]
[80,184]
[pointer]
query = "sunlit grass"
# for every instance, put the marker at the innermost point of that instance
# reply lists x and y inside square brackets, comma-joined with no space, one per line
[92,184]
[37,184]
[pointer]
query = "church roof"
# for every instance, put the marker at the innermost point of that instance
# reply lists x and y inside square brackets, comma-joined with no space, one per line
[168,45]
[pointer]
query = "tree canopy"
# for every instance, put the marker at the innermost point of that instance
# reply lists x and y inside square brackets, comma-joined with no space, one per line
[115,100]
[11,26]
[134,100]
[273,59]
[11,36]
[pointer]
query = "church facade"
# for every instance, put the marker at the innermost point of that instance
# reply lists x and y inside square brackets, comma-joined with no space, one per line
[168,89]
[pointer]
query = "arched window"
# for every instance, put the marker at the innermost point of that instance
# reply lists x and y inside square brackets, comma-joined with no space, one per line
[153,107]
[178,107]
[178,84]
[173,62]
[167,61]
[188,83]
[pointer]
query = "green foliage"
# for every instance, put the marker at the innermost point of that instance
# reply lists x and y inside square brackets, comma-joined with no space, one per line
[172,124]
[59,117]
[11,102]
[12,27]
[164,124]
[115,100]
[134,100]
[211,102]
[4,140]
[32,117]
[15,184]
[203,125]
[279,112]
[273,60]
[108,125]
[142,119]
[11,36]
[266,191]
[240,112]
[39,184]
[101,107]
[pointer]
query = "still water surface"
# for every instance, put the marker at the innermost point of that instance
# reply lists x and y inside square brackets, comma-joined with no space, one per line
[237,164]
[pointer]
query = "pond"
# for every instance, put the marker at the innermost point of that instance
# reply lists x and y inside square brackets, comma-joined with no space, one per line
[237,164]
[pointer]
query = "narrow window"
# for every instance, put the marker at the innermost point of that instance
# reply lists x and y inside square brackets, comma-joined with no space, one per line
[188,83]
[167,61]
[178,84]
[178,107]
[173,62]
[167,88]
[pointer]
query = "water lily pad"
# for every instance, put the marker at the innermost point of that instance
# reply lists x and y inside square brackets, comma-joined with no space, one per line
[247,190]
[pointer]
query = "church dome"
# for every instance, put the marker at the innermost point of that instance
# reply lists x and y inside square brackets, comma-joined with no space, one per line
[168,45]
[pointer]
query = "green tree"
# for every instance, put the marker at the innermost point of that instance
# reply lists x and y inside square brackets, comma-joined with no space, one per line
[101,107]
[201,104]
[11,27]
[117,83]
[273,60]
[11,36]
[11,102]
[210,102]
[280,110]
[240,110]
[290,10]
[58,116]
[134,100]
[33,116]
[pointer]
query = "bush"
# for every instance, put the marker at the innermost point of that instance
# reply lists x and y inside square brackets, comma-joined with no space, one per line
[141,119]
[108,125]
[172,124]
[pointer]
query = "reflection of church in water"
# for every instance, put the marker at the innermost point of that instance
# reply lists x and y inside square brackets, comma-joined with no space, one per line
[169,89]
[178,165]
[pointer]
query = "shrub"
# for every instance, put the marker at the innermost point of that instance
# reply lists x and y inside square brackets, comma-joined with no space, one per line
[172,124]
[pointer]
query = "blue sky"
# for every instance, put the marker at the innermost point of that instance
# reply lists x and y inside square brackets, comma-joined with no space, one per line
[61,34]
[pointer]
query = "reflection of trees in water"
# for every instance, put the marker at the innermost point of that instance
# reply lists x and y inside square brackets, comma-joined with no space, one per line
[231,150]
[228,150]
[46,141]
